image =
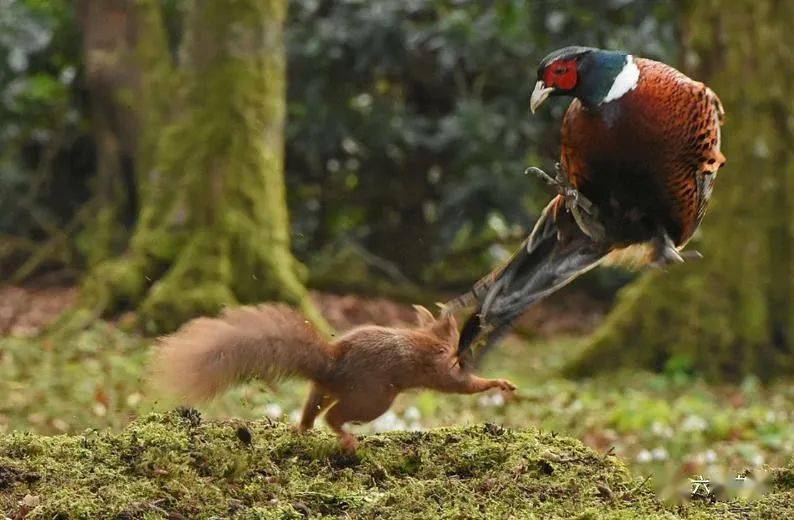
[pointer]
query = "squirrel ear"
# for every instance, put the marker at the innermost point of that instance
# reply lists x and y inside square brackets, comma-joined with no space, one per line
[423,316]
[446,327]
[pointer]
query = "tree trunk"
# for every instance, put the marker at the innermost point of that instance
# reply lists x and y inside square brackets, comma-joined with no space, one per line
[110,30]
[213,227]
[732,313]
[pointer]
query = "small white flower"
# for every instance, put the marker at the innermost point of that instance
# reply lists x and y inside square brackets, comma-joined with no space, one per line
[412,413]
[332,165]
[497,399]
[67,75]
[497,224]
[757,460]
[659,453]
[100,410]
[350,146]
[295,415]
[415,427]
[710,456]
[694,423]
[388,422]
[134,399]
[362,102]
[644,456]
[273,410]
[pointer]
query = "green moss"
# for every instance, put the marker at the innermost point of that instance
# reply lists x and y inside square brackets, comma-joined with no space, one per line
[167,465]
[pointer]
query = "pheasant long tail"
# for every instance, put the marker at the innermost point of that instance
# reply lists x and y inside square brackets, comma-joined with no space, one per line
[556,252]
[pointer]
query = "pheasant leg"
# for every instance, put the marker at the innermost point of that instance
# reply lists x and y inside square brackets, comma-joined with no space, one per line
[665,252]
[583,210]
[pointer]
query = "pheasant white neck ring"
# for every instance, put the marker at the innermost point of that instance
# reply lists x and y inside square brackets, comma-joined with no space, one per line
[625,81]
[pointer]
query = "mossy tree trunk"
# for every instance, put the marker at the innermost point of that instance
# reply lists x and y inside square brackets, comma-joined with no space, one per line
[110,35]
[213,227]
[732,313]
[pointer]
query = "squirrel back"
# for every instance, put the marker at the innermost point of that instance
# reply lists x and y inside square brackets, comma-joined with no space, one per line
[208,355]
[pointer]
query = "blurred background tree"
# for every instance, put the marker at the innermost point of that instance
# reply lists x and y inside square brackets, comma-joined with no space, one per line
[212,228]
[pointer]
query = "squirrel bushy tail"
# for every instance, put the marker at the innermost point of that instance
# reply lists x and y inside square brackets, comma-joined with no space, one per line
[208,355]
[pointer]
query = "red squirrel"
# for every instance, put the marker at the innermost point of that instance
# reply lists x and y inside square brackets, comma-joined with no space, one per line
[355,377]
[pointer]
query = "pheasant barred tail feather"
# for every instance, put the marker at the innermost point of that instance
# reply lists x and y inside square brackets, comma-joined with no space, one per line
[555,253]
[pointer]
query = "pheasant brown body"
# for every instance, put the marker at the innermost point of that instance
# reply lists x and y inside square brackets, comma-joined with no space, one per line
[640,154]
[650,156]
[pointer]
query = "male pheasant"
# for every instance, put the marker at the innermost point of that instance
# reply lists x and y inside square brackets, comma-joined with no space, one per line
[640,152]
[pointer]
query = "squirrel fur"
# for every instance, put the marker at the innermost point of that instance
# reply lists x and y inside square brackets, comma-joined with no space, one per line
[355,378]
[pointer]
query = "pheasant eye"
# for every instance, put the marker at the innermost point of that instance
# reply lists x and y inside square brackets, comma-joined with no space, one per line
[561,75]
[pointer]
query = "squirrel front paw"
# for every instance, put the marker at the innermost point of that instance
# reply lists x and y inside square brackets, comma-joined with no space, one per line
[506,387]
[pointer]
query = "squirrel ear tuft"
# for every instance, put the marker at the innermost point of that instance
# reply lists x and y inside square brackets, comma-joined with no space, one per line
[446,327]
[423,316]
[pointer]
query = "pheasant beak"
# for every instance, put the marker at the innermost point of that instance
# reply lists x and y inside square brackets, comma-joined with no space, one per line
[539,95]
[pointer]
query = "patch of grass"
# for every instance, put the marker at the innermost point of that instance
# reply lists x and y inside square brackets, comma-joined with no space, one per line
[175,466]
[59,384]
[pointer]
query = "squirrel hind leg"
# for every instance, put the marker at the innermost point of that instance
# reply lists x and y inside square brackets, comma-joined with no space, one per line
[316,404]
[352,409]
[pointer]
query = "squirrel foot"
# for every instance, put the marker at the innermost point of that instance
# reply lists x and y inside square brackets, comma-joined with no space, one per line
[348,443]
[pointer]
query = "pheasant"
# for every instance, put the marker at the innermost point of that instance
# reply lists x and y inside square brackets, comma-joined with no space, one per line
[640,153]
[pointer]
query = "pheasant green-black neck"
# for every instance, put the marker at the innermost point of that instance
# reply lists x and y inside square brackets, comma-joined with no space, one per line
[604,76]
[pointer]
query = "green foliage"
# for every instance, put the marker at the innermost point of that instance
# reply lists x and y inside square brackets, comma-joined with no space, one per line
[41,118]
[173,465]
[409,123]
[58,386]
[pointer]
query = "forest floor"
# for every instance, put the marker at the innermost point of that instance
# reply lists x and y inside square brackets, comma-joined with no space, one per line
[177,465]
[668,427]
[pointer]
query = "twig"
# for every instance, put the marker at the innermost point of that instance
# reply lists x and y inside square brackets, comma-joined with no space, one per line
[637,487]
[388,267]
[46,250]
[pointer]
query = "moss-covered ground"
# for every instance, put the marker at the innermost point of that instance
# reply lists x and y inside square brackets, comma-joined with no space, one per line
[177,466]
